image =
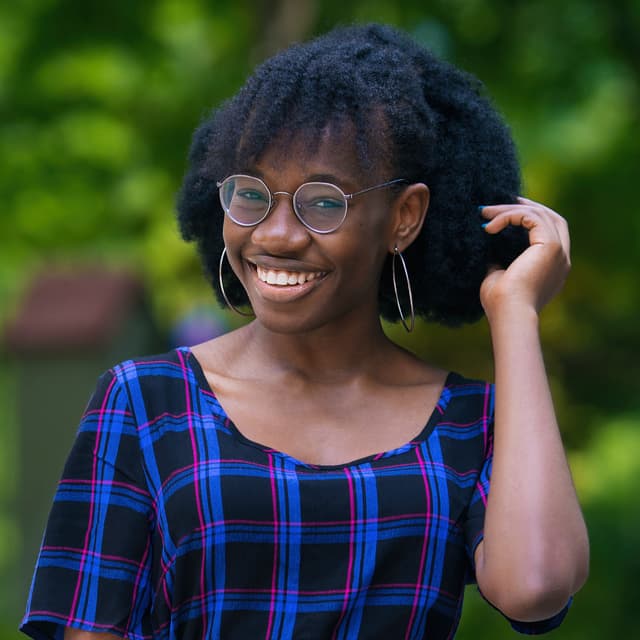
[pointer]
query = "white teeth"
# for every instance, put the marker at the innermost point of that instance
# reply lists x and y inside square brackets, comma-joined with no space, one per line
[286,278]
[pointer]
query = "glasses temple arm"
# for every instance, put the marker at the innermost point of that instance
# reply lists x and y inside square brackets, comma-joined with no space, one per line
[378,186]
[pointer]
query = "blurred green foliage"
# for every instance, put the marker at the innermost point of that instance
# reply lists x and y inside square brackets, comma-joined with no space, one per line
[98,101]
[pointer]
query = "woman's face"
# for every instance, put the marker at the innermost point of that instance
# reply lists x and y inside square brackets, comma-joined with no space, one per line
[298,280]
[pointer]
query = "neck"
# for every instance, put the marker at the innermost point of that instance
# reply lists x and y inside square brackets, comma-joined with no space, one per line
[324,354]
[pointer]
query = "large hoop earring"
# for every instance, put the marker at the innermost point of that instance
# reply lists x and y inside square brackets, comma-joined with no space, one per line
[224,294]
[412,316]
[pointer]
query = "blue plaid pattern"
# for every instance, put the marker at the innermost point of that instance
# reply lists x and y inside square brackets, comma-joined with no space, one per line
[168,523]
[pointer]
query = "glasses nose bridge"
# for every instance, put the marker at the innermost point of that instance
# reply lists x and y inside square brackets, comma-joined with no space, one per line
[273,204]
[280,193]
[283,228]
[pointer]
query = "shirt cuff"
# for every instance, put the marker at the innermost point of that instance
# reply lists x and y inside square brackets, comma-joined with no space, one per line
[541,626]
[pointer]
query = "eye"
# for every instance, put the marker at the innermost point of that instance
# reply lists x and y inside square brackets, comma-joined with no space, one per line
[325,203]
[251,194]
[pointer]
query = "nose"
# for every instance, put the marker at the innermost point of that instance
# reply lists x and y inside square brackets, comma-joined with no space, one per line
[281,232]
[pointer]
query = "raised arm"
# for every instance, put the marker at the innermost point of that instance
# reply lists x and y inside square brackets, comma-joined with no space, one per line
[535,551]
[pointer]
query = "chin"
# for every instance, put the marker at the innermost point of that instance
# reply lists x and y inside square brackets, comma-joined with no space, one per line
[288,324]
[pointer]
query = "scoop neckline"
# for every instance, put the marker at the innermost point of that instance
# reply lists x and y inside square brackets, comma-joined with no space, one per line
[434,418]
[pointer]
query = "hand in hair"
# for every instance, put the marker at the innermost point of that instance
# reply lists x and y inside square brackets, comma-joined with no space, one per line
[539,273]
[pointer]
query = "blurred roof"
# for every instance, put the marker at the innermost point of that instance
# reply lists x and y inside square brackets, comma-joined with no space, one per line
[66,310]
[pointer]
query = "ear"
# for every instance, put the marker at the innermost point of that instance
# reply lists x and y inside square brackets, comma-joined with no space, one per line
[409,213]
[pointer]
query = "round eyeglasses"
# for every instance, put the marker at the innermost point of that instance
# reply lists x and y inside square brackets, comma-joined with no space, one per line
[320,206]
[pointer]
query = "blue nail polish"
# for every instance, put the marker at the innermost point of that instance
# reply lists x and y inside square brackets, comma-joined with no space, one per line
[484,225]
[480,208]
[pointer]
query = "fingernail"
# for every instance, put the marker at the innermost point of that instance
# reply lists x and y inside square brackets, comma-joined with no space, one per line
[484,225]
[481,208]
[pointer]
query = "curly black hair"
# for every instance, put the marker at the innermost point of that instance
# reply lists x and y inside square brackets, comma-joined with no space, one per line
[413,115]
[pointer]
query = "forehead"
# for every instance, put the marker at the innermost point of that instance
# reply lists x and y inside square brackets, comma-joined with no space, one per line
[333,151]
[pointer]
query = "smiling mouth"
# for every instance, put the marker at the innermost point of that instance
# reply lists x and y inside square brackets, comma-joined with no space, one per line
[283,278]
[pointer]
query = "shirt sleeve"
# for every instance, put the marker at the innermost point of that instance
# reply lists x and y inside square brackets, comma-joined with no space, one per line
[93,569]
[474,525]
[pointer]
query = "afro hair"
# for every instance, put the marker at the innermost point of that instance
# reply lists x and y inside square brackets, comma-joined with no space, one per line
[412,114]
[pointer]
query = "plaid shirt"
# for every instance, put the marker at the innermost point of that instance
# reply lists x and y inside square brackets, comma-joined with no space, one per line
[168,523]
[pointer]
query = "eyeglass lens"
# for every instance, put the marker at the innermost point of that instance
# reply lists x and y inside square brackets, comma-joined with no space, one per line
[320,206]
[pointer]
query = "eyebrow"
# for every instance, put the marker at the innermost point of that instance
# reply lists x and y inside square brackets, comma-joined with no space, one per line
[345,184]
[322,177]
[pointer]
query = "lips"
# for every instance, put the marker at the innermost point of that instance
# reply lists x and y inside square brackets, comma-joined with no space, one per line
[286,278]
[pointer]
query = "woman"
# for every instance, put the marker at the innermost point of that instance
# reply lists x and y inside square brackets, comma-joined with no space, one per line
[303,476]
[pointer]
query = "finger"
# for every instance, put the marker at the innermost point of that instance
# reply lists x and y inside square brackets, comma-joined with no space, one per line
[523,209]
[542,227]
[533,203]
[560,223]
[518,210]
[543,210]
[490,211]
[563,233]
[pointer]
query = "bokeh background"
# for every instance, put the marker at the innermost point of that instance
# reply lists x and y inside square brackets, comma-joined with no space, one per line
[97,104]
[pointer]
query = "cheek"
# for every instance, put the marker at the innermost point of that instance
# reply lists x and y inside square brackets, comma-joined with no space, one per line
[375,223]
[372,241]
[233,238]
[364,259]
[228,232]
